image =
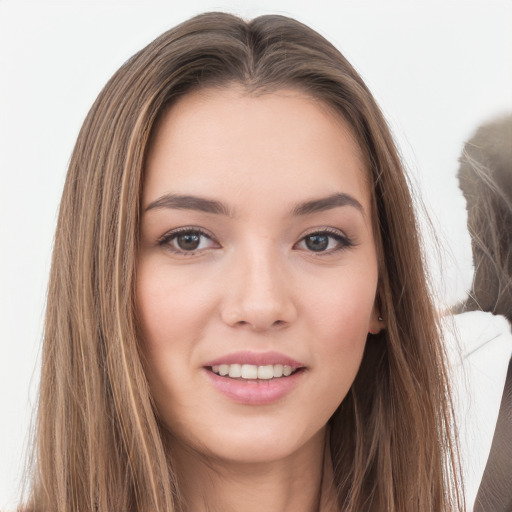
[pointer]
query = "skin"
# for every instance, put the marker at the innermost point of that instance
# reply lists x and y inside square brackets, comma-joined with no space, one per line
[254,284]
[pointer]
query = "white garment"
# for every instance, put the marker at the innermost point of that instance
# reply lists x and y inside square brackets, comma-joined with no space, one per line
[479,350]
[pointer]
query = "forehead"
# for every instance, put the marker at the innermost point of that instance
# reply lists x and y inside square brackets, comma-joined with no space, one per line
[223,141]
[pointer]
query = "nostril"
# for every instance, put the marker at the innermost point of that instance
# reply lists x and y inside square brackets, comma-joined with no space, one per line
[259,326]
[258,314]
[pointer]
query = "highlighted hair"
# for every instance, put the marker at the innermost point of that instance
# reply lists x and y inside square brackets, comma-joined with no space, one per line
[99,446]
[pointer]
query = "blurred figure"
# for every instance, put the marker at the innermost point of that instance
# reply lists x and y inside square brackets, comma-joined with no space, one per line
[485,178]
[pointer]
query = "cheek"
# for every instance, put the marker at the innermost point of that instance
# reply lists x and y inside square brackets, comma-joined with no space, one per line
[171,312]
[344,310]
[171,307]
[342,317]
[171,315]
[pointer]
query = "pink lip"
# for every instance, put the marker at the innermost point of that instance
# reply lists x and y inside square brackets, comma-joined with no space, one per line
[255,392]
[256,358]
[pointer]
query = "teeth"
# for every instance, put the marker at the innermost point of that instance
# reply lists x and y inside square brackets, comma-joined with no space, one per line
[252,372]
[235,370]
[249,371]
[265,372]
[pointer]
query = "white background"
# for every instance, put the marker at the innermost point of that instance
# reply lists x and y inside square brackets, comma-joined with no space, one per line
[437,68]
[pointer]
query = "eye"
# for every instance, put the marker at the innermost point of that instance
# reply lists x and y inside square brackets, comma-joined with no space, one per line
[324,241]
[187,240]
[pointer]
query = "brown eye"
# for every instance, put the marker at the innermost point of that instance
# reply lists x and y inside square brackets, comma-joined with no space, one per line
[317,242]
[325,241]
[188,241]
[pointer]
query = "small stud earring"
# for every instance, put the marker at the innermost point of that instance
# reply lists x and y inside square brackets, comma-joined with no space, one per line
[381,319]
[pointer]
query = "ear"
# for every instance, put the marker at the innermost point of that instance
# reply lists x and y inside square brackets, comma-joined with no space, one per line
[376,321]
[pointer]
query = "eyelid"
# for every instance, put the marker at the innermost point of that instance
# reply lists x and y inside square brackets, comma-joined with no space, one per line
[323,230]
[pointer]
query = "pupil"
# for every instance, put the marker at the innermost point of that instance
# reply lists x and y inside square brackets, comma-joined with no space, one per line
[317,242]
[189,241]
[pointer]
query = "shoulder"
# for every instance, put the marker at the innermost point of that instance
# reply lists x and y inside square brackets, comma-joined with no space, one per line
[479,347]
[479,339]
[478,329]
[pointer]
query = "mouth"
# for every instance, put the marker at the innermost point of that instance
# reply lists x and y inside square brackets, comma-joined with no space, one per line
[254,372]
[255,378]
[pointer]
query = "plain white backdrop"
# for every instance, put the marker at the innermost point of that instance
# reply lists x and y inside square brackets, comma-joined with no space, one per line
[437,68]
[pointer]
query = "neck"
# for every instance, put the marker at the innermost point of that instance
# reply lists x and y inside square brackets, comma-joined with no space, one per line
[300,482]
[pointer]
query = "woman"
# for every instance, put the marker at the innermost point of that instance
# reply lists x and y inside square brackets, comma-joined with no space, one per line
[238,313]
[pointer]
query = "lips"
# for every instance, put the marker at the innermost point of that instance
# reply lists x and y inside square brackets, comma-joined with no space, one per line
[253,378]
[255,358]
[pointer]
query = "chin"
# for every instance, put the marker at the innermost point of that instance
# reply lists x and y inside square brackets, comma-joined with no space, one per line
[260,441]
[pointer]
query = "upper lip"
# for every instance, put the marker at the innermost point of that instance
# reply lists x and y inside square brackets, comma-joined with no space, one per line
[255,358]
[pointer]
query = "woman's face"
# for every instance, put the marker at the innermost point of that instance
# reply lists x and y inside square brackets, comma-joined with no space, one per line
[257,259]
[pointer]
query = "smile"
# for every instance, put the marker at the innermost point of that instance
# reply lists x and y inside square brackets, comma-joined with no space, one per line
[253,372]
[255,378]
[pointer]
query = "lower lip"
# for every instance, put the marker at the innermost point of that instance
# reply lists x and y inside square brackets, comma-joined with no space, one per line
[255,392]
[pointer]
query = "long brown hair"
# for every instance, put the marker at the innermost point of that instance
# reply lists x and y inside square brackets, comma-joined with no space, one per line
[98,444]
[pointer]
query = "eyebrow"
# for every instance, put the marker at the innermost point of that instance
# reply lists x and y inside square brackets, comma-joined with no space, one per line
[189,202]
[327,203]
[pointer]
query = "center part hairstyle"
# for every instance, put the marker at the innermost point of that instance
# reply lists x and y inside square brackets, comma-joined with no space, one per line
[99,445]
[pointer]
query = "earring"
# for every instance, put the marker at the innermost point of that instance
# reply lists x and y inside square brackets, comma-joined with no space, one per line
[381,319]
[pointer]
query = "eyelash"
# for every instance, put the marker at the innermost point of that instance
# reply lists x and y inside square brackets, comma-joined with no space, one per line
[169,237]
[343,242]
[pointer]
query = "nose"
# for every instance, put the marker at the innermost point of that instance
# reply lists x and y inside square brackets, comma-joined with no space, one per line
[258,292]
